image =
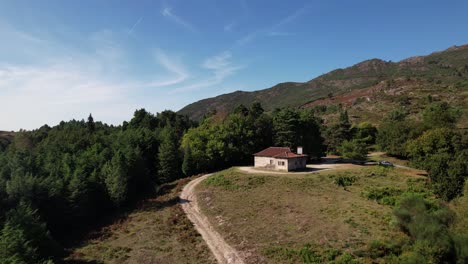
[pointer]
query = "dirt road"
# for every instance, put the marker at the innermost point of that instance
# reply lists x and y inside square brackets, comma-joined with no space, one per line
[222,251]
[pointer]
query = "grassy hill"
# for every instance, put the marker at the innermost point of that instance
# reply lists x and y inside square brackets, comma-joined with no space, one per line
[369,89]
[307,218]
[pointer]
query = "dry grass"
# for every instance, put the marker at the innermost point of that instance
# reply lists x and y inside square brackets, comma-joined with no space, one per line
[269,216]
[156,232]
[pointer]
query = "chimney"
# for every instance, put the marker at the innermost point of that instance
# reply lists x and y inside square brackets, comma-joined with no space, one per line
[299,150]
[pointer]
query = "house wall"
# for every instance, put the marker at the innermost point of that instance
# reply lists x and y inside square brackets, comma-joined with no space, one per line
[297,163]
[265,163]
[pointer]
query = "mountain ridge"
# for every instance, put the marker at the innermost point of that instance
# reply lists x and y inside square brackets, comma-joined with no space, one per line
[441,68]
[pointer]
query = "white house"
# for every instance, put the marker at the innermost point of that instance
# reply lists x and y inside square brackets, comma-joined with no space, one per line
[280,158]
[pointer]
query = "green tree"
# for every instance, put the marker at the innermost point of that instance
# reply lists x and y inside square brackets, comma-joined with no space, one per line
[256,110]
[353,149]
[365,132]
[338,132]
[395,131]
[188,165]
[441,152]
[310,134]
[24,238]
[440,114]
[116,178]
[90,124]
[285,128]
[168,156]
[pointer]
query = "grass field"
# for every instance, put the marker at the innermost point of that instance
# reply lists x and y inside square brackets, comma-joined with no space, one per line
[309,218]
[156,231]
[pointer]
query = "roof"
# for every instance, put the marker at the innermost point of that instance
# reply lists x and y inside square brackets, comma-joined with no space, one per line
[278,152]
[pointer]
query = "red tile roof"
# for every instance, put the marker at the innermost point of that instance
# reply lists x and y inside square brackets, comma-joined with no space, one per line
[278,152]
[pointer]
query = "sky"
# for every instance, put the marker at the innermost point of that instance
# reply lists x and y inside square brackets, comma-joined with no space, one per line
[62,60]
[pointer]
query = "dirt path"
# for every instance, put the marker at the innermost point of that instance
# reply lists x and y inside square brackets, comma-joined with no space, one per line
[222,251]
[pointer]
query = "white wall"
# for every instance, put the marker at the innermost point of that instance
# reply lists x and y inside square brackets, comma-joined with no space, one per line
[270,163]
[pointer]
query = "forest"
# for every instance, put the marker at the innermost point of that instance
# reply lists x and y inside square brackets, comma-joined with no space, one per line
[57,182]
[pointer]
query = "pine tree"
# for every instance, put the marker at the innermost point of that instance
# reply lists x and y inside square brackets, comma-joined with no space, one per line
[90,124]
[116,179]
[24,238]
[168,156]
[188,165]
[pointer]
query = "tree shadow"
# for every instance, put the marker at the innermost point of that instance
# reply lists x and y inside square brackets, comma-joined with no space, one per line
[80,261]
[97,229]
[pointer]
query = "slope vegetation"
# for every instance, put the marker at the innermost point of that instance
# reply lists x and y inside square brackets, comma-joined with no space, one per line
[369,88]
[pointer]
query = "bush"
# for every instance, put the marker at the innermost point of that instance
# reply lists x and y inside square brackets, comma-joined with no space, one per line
[354,149]
[427,224]
[344,181]
[379,249]
[461,247]
[385,196]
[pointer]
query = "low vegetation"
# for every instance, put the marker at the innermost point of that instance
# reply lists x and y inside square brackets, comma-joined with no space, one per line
[154,231]
[307,218]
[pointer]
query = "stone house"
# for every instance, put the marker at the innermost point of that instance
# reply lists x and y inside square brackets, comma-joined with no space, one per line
[280,158]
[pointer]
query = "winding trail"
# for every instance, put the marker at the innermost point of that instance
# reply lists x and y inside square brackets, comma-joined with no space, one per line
[222,251]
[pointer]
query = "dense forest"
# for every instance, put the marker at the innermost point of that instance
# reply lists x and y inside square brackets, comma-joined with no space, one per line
[56,181]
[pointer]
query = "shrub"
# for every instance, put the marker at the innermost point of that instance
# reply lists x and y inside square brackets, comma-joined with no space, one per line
[378,249]
[461,247]
[385,196]
[344,181]
[381,171]
[427,224]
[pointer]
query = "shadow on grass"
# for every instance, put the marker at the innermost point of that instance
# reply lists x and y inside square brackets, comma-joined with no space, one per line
[81,262]
[97,229]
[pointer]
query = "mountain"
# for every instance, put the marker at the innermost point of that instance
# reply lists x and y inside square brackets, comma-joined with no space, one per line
[368,89]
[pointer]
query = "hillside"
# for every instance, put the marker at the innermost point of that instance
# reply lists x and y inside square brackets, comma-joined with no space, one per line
[308,218]
[368,89]
[5,139]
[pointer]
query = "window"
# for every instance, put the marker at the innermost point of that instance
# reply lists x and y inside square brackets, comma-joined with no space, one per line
[271,162]
[280,163]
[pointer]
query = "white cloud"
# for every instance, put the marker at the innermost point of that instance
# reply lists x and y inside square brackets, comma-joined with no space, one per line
[248,38]
[220,66]
[167,12]
[70,83]
[172,66]
[273,31]
[36,95]
[130,31]
[280,34]
[229,27]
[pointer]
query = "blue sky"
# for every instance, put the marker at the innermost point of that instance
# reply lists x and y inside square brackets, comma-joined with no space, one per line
[61,60]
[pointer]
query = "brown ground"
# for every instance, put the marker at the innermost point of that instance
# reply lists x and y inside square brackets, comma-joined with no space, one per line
[265,215]
[157,231]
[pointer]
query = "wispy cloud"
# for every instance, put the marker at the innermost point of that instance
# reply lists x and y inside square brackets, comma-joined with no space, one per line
[280,34]
[220,66]
[167,12]
[228,27]
[248,38]
[172,66]
[275,29]
[130,31]
[59,91]
[291,17]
